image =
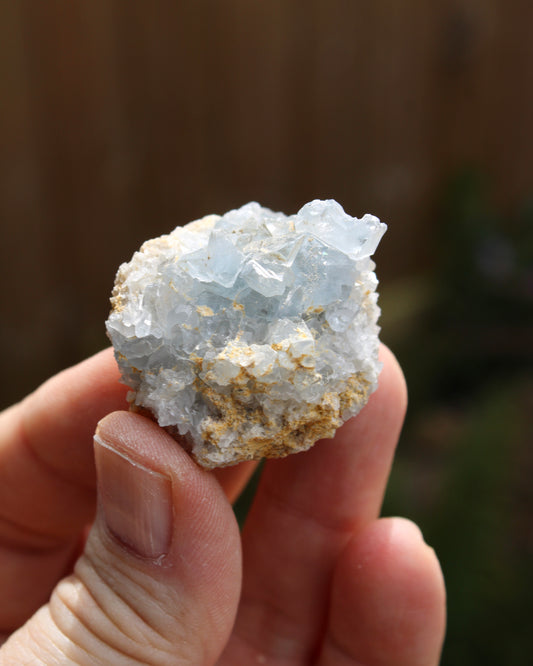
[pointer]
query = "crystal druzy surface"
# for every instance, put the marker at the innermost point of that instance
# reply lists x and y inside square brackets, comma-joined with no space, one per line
[252,334]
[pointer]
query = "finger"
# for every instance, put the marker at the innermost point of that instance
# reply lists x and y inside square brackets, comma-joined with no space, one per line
[159,580]
[47,481]
[388,600]
[306,509]
[46,455]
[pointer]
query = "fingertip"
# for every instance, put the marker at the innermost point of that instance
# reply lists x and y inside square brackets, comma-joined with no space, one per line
[389,597]
[121,425]
[140,436]
[416,591]
[392,380]
[410,553]
[394,549]
[110,422]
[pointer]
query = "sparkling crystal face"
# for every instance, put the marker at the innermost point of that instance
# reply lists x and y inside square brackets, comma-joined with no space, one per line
[252,334]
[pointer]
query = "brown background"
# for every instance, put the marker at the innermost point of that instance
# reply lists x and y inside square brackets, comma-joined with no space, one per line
[120,120]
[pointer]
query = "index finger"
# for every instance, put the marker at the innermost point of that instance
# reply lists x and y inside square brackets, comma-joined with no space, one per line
[46,453]
[47,481]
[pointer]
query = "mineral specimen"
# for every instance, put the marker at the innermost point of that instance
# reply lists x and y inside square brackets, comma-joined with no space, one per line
[252,334]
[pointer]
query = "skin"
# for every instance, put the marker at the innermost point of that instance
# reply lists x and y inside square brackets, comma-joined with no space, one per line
[315,578]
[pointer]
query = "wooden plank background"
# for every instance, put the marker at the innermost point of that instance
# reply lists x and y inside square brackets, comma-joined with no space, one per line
[120,120]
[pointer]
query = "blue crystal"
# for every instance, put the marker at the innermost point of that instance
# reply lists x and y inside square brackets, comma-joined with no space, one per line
[253,333]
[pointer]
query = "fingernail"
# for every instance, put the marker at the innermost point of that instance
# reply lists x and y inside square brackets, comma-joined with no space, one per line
[136,501]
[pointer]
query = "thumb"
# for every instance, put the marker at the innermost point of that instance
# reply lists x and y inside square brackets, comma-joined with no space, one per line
[159,579]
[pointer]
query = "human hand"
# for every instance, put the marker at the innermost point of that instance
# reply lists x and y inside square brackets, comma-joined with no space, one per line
[160,579]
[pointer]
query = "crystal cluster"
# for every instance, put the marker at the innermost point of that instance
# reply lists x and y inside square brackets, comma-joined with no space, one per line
[252,334]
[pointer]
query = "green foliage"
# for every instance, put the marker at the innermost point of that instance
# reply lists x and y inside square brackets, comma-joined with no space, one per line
[465,462]
[477,516]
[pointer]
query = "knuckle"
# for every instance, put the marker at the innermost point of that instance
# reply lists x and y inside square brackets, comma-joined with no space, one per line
[100,617]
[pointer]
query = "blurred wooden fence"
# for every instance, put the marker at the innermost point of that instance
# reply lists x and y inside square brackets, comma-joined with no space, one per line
[120,120]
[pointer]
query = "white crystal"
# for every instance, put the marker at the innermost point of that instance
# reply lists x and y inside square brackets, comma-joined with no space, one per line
[252,334]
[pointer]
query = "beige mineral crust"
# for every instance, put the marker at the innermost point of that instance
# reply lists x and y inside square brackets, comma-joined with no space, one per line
[253,334]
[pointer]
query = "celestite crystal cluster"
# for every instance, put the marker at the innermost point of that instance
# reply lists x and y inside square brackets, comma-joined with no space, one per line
[252,334]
